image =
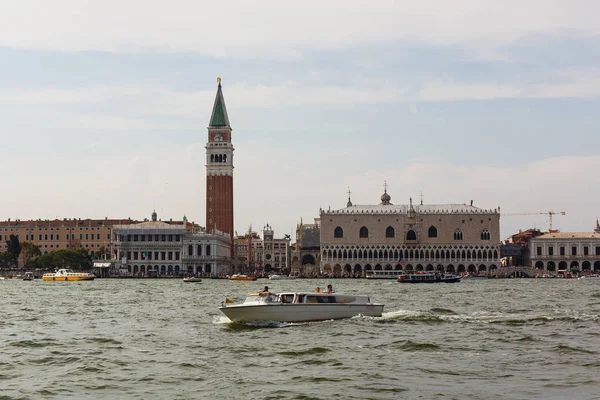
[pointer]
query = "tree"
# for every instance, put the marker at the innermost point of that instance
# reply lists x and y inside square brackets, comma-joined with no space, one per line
[46,261]
[14,247]
[6,259]
[30,251]
[78,260]
[101,254]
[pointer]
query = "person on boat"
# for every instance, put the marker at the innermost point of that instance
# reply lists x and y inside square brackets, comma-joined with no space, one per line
[265,290]
[318,290]
[330,289]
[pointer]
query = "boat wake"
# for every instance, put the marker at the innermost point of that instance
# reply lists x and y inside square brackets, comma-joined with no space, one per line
[223,320]
[442,315]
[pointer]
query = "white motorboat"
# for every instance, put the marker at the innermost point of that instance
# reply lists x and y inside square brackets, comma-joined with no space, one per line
[299,307]
[282,277]
[192,279]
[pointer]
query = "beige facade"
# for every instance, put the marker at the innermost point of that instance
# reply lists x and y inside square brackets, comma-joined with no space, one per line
[568,252]
[51,235]
[265,252]
[454,238]
[305,253]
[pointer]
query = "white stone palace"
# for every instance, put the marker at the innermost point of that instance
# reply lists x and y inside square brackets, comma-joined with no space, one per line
[566,252]
[160,248]
[453,238]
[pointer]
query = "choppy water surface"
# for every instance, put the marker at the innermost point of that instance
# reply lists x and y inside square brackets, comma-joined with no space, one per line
[165,339]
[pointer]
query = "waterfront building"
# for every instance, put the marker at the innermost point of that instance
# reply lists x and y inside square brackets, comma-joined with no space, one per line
[262,253]
[305,253]
[159,248]
[515,250]
[94,235]
[566,252]
[452,238]
[219,170]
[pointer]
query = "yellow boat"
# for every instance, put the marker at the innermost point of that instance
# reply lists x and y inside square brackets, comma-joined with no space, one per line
[238,277]
[66,274]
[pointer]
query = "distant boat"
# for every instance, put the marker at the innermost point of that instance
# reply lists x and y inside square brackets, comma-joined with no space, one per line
[192,279]
[282,277]
[474,277]
[28,276]
[594,276]
[66,274]
[238,277]
[428,277]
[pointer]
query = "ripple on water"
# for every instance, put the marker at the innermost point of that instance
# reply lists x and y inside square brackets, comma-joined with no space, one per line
[314,350]
[409,345]
[564,349]
[34,343]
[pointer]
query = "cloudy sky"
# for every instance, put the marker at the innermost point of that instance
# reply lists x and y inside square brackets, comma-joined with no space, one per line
[104,107]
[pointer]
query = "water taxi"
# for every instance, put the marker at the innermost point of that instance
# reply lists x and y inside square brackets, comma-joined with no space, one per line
[428,277]
[299,307]
[66,274]
[238,277]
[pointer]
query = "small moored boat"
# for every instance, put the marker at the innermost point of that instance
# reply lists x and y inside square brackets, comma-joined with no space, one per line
[593,276]
[282,277]
[66,274]
[238,277]
[428,277]
[192,279]
[28,276]
[299,307]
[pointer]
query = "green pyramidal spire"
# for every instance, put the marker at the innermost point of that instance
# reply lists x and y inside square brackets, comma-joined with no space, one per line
[219,116]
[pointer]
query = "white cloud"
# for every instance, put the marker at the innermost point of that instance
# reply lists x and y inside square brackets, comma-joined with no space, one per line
[140,102]
[277,29]
[275,185]
[558,184]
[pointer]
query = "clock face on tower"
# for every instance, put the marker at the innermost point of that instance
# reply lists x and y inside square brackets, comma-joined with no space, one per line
[218,137]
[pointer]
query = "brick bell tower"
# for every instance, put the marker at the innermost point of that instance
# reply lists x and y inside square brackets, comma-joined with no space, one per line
[219,169]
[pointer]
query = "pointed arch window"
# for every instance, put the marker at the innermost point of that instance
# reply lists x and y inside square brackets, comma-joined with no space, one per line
[411,235]
[390,232]
[485,235]
[458,235]
[338,232]
[364,232]
[432,233]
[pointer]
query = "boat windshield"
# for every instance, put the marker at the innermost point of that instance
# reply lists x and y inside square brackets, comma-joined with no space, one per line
[315,298]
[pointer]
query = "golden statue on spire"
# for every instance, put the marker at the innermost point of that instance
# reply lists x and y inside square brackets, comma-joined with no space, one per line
[219,80]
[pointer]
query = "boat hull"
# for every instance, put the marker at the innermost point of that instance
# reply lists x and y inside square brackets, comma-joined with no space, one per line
[453,280]
[68,278]
[299,312]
